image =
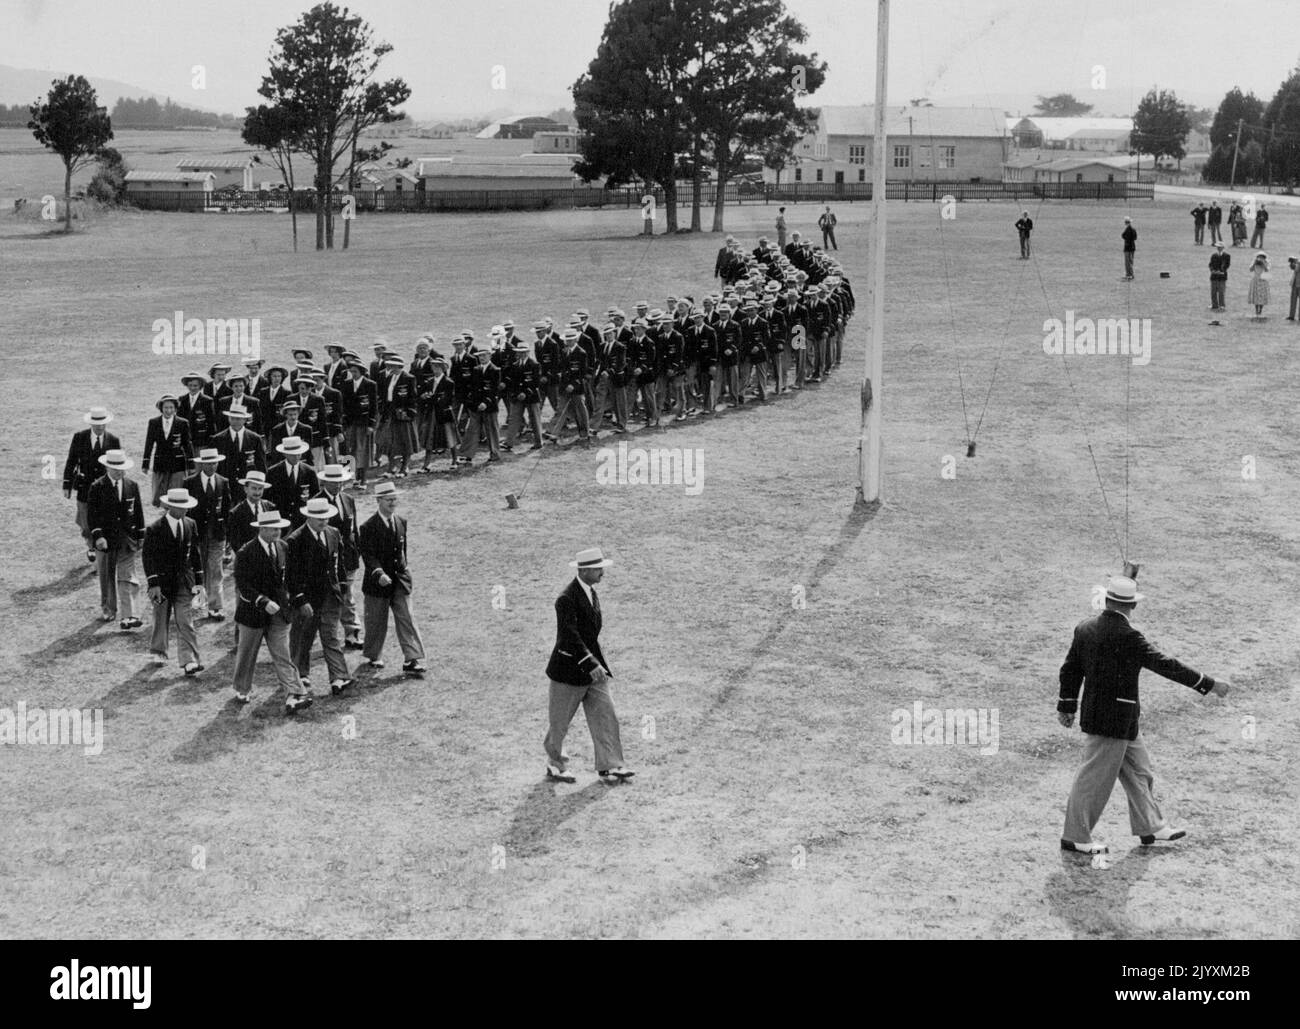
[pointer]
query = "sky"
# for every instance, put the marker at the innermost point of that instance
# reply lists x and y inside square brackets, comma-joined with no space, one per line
[974,51]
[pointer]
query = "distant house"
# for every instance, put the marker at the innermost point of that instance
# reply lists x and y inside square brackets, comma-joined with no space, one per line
[1043,168]
[526,172]
[229,171]
[391,180]
[141,185]
[521,128]
[926,144]
[555,142]
[1109,135]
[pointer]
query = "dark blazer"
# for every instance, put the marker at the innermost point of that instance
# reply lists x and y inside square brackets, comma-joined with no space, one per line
[210,516]
[524,376]
[1105,658]
[574,368]
[168,455]
[236,464]
[346,524]
[314,572]
[174,566]
[404,407]
[384,551]
[258,420]
[314,415]
[577,639]
[485,389]
[281,432]
[257,580]
[239,522]
[336,373]
[442,399]
[360,402]
[201,414]
[118,523]
[83,467]
[286,496]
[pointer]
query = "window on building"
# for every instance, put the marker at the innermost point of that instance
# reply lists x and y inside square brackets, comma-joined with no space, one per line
[1110,178]
[857,154]
[819,150]
[819,175]
[798,175]
[1078,176]
[902,157]
[924,156]
[947,157]
[862,174]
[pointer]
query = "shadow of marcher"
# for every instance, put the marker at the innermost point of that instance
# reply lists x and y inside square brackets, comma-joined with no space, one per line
[544,808]
[1093,902]
[71,581]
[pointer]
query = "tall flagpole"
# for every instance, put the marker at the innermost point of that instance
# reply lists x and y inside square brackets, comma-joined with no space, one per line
[869,441]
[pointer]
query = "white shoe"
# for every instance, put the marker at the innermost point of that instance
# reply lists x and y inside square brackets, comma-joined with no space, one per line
[1165,835]
[1085,848]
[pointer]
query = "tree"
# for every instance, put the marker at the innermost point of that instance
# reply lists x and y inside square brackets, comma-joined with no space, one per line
[1282,123]
[109,183]
[629,102]
[1061,105]
[376,106]
[281,131]
[72,124]
[1160,126]
[324,66]
[748,78]
[780,151]
[1236,108]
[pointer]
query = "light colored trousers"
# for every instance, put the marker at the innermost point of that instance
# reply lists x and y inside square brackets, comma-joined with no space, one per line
[348,609]
[181,609]
[213,573]
[607,396]
[247,643]
[118,585]
[324,622]
[515,420]
[481,422]
[1104,760]
[408,636]
[598,705]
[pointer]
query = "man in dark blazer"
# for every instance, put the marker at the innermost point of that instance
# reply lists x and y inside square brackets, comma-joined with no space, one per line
[312,413]
[523,391]
[333,401]
[360,417]
[579,674]
[244,511]
[167,446]
[292,482]
[387,584]
[262,612]
[314,579]
[173,567]
[116,518]
[441,435]
[483,405]
[1106,657]
[241,450]
[609,383]
[332,479]
[196,407]
[82,466]
[211,492]
[574,369]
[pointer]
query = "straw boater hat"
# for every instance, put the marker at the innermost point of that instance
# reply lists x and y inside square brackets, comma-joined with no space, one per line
[284,372]
[335,346]
[290,405]
[179,497]
[237,411]
[334,473]
[189,377]
[97,416]
[306,354]
[520,347]
[387,489]
[116,459]
[318,507]
[591,558]
[208,455]
[292,445]
[269,520]
[164,398]
[1123,589]
[220,366]
[254,477]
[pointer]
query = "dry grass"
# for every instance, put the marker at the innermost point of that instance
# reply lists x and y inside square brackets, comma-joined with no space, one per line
[771,726]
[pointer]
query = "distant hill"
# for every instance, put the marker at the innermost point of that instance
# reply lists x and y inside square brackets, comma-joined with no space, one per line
[23,85]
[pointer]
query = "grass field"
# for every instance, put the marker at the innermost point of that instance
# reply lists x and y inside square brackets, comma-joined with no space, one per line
[770,799]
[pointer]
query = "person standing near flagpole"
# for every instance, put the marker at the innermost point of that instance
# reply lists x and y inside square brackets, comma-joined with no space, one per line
[579,674]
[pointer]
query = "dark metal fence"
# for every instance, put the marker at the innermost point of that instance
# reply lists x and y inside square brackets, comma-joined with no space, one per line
[737,194]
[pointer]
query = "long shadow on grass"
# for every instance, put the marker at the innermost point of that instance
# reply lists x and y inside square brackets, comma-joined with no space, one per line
[66,646]
[1093,902]
[144,682]
[72,580]
[857,520]
[233,727]
[544,809]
